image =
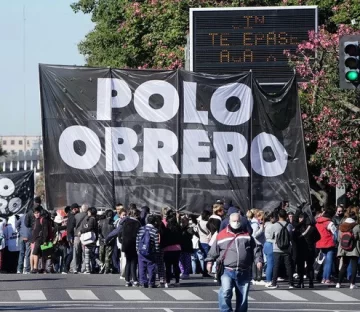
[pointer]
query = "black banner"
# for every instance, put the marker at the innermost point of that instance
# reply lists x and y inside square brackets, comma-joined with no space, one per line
[169,138]
[16,192]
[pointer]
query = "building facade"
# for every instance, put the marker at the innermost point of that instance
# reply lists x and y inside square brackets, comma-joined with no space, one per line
[23,152]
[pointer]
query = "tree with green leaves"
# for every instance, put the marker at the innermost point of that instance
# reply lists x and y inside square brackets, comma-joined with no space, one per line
[152,34]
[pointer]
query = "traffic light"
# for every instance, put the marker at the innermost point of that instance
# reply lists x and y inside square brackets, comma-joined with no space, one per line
[349,61]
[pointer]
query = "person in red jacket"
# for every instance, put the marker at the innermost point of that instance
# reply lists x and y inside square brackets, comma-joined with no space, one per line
[326,243]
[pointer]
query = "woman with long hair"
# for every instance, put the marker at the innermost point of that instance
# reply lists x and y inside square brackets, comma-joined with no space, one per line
[170,239]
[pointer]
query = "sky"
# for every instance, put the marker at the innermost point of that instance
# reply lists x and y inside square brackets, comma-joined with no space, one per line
[52,32]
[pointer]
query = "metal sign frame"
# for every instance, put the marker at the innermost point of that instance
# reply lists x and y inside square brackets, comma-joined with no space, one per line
[191,24]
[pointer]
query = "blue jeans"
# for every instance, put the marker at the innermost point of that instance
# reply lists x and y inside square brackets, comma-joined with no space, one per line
[24,256]
[329,258]
[268,251]
[241,281]
[197,254]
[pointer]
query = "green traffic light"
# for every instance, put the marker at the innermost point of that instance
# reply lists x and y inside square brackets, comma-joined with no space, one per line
[352,76]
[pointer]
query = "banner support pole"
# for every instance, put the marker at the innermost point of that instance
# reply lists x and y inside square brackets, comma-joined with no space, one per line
[251,138]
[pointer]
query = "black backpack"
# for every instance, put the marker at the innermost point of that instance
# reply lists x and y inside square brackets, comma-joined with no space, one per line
[283,240]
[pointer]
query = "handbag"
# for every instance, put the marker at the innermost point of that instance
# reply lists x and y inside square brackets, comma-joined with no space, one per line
[47,246]
[87,238]
[220,267]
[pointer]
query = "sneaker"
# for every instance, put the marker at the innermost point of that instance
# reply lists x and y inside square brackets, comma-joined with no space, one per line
[144,286]
[18,272]
[64,272]
[272,286]
[102,268]
[136,284]
[267,284]
[86,272]
[128,284]
[33,271]
[280,279]
[295,276]
[26,272]
[261,283]
[291,286]
[338,285]
[328,282]
[161,285]
[353,286]
[322,281]
[167,285]
[122,277]
[184,277]
[75,272]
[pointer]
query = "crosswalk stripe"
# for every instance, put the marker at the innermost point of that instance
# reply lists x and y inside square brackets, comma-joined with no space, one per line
[249,298]
[182,295]
[81,294]
[31,295]
[132,295]
[334,295]
[285,295]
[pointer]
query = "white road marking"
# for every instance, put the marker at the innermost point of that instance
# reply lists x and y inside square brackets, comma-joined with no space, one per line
[335,295]
[31,295]
[182,294]
[132,295]
[284,295]
[249,298]
[81,294]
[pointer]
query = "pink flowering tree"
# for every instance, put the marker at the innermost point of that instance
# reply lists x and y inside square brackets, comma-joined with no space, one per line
[331,116]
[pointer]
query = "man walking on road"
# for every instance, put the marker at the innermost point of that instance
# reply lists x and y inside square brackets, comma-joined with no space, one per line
[237,250]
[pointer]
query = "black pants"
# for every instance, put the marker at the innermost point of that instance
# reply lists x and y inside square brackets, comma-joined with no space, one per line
[309,259]
[278,259]
[343,269]
[131,267]
[171,259]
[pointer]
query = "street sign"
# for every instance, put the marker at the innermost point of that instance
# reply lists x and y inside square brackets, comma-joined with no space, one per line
[233,40]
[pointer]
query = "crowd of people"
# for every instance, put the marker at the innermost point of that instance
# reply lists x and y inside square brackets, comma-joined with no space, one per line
[145,247]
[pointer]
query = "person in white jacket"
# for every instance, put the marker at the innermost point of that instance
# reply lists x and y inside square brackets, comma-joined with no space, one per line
[204,238]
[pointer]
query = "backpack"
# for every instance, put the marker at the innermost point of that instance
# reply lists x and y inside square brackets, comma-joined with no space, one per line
[145,243]
[283,239]
[347,241]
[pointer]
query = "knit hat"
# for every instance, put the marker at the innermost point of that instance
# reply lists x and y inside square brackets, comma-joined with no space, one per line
[349,220]
[58,219]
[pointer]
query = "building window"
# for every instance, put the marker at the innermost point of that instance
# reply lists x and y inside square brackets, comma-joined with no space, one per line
[4,142]
[12,151]
[12,142]
[28,142]
[20,142]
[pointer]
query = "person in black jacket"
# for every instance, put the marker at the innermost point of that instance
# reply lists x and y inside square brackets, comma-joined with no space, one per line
[70,228]
[106,226]
[40,235]
[170,240]
[29,218]
[90,225]
[187,233]
[305,235]
[127,237]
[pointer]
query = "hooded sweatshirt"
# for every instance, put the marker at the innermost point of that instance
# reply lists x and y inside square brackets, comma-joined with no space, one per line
[349,226]
[225,222]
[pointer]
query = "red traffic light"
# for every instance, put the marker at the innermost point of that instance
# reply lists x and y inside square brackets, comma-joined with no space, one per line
[352,49]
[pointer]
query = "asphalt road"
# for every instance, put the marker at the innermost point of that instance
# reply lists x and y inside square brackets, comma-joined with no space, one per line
[55,292]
